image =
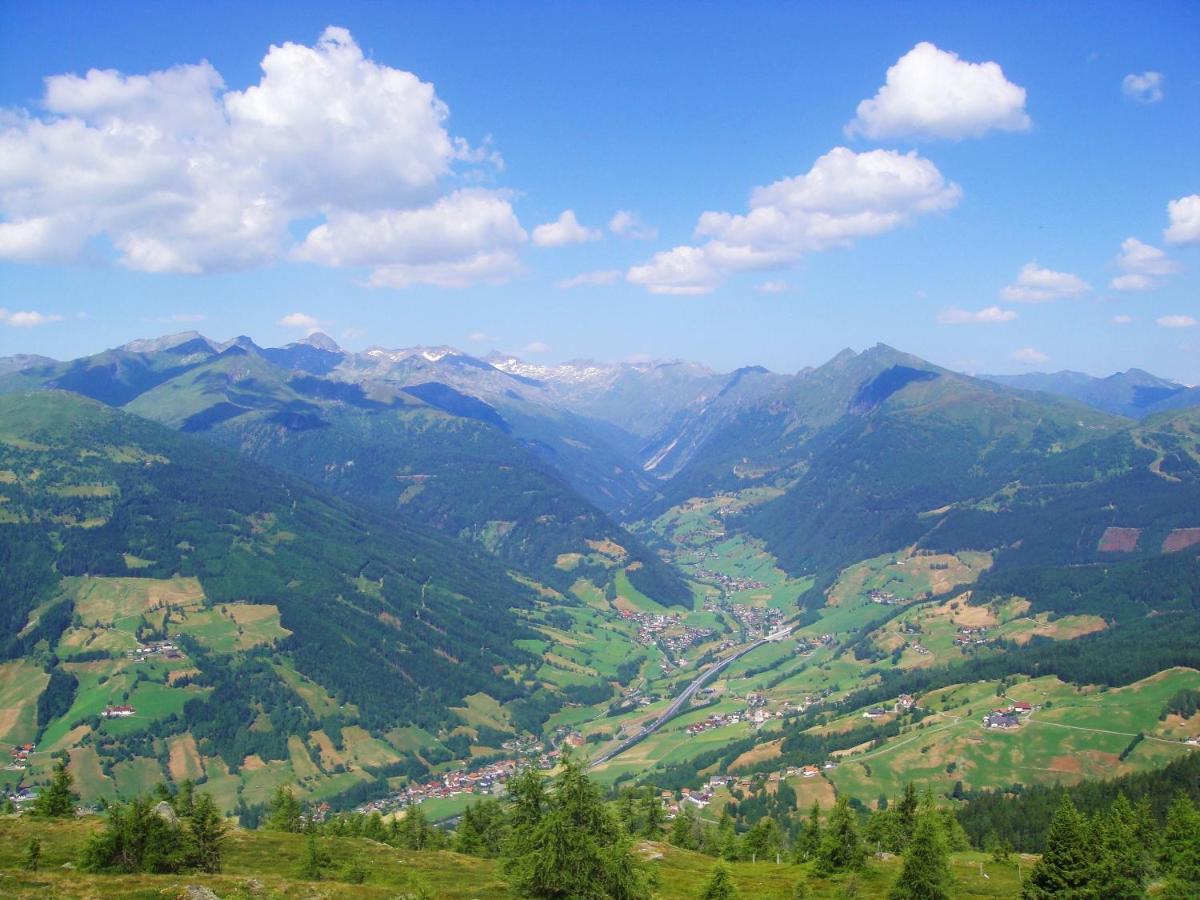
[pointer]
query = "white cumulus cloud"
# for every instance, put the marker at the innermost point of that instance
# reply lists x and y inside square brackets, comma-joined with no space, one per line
[1184,216]
[1142,266]
[774,286]
[1144,87]
[1035,284]
[563,231]
[628,224]
[1028,356]
[991,315]
[181,175]
[1122,319]
[1177,321]
[931,93]
[843,197]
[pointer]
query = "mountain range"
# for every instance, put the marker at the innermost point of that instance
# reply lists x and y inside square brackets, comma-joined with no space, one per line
[370,565]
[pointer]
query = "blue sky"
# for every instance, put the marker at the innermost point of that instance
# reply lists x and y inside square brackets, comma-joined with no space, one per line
[339,192]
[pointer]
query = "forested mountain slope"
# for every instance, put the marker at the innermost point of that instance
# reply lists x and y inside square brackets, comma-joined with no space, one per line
[292,611]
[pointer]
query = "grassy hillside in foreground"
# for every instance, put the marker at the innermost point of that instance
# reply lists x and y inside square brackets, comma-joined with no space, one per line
[268,865]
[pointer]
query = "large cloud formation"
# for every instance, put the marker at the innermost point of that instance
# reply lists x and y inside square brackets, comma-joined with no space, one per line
[931,93]
[844,196]
[180,175]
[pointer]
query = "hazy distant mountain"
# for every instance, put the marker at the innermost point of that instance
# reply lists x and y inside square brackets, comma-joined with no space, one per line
[428,436]
[1134,393]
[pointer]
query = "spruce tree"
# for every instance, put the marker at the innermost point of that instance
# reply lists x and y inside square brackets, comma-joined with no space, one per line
[652,816]
[926,871]
[207,832]
[727,842]
[312,859]
[719,885]
[810,838]
[683,829]
[1066,866]
[1180,853]
[284,813]
[467,838]
[906,815]
[763,840]
[841,847]
[57,800]
[577,848]
[33,855]
[1120,862]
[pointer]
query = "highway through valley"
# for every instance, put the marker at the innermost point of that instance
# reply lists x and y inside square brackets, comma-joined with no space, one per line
[685,697]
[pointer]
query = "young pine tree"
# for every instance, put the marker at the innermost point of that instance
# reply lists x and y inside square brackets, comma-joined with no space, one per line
[206,829]
[763,841]
[1066,866]
[57,800]
[906,815]
[719,885]
[727,842]
[33,855]
[809,841]
[652,816]
[841,847]
[926,872]
[576,849]
[284,812]
[683,829]
[312,859]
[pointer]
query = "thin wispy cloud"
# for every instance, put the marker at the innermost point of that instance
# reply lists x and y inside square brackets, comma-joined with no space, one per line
[1028,356]
[591,279]
[990,315]
[1144,87]
[27,318]
[628,224]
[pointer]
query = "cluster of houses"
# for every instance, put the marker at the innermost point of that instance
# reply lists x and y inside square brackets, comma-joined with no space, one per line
[903,703]
[487,780]
[756,619]
[123,711]
[755,712]
[675,637]
[967,636]
[729,583]
[806,646]
[702,797]
[1009,717]
[483,781]
[19,756]
[165,649]
[884,598]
